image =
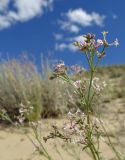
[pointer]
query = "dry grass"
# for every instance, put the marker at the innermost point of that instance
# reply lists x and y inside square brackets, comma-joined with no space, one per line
[21,83]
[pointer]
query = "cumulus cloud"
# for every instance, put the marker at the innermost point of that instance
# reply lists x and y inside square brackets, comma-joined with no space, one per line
[58,36]
[24,10]
[77,38]
[3,5]
[77,18]
[69,26]
[65,46]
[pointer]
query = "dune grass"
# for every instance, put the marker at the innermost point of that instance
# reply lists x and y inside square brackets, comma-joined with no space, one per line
[22,84]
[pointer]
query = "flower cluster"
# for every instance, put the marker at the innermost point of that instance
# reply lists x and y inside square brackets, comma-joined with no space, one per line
[59,70]
[90,44]
[24,112]
[97,85]
[75,129]
[77,84]
[81,85]
[77,68]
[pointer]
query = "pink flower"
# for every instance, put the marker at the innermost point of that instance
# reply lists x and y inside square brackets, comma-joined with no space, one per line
[98,44]
[60,68]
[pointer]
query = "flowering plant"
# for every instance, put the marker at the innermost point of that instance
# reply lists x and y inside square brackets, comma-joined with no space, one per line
[84,126]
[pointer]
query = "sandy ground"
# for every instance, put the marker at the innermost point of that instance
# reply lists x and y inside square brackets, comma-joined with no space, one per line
[14,144]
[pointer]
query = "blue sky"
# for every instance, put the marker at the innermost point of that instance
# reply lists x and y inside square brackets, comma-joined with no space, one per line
[50,27]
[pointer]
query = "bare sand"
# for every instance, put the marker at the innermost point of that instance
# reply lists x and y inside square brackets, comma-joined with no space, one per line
[14,144]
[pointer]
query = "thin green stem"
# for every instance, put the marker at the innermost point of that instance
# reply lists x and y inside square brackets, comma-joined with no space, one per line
[96,64]
[88,59]
[93,153]
[41,145]
[96,152]
[90,84]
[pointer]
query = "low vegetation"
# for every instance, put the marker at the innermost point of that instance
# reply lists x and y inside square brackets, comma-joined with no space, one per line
[22,84]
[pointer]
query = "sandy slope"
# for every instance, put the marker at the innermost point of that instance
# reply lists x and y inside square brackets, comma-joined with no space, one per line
[14,145]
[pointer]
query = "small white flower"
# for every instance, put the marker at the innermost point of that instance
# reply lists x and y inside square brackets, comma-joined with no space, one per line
[77,84]
[21,110]
[104,33]
[116,43]
[100,42]
[21,119]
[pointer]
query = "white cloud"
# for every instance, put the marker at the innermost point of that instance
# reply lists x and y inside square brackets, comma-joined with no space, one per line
[58,36]
[69,26]
[4,4]
[61,46]
[4,22]
[80,18]
[68,44]
[24,10]
[77,38]
[74,28]
[65,46]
